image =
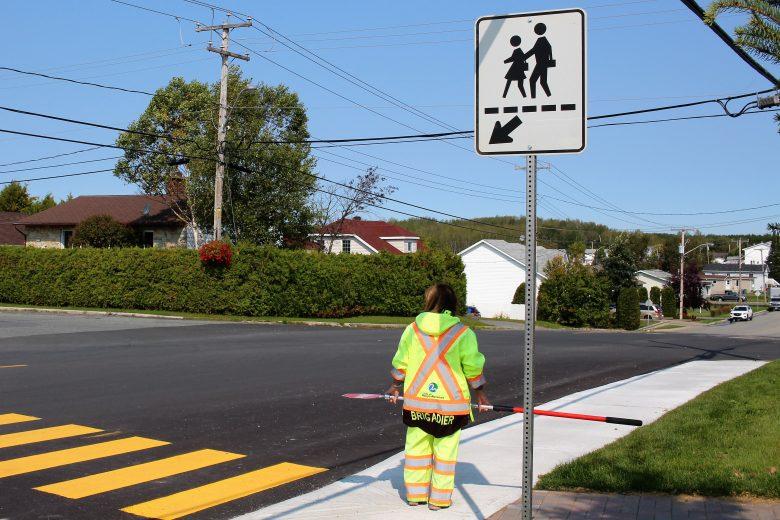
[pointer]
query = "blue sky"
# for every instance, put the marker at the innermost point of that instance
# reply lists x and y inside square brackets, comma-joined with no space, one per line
[641,54]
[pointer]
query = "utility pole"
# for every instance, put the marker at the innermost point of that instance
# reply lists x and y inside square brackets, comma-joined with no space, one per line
[222,126]
[682,269]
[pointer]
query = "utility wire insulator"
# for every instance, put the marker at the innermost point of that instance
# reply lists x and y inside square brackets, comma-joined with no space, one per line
[770,101]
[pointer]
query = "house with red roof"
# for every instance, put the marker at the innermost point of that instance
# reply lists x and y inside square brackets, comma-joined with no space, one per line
[151,218]
[366,237]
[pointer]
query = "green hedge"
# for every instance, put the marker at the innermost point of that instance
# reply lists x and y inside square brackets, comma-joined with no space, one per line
[669,303]
[260,282]
[628,308]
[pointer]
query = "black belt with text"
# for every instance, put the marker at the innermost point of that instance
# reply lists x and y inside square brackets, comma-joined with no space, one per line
[436,424]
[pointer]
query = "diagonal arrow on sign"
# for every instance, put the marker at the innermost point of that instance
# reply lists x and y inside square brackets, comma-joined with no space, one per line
[501,134]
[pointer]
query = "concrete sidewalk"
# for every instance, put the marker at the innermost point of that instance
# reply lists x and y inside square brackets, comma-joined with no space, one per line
[490,460]
[555,505]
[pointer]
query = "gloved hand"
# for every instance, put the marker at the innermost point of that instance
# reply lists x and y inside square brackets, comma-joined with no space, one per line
[393,392]
[482,399]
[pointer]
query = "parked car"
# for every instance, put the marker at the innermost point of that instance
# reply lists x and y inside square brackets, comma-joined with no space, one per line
[727,296]
[741,313]
[473,312]
[650,312]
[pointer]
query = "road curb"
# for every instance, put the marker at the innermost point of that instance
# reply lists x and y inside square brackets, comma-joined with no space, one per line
[91,313]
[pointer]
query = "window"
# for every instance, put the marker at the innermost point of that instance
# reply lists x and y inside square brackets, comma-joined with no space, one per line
[410,246]
[148,240]
[67,238]
[346,245]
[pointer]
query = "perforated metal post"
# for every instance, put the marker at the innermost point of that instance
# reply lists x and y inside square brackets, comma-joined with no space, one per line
[530,325]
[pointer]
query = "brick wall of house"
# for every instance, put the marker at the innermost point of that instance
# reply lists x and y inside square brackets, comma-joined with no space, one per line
[44,237]
[51,237]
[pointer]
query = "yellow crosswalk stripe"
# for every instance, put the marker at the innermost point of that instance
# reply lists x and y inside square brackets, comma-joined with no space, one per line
[132,475]
[45,434]
[222,491]
[13,418]
[54,459]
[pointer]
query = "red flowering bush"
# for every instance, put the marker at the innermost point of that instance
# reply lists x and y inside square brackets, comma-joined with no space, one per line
[216,254]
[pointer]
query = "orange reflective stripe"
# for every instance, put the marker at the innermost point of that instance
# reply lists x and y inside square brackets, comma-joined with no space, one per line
[418,456]
[434,347]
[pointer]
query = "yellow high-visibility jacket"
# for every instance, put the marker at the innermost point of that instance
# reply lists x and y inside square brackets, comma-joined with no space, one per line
[438,360]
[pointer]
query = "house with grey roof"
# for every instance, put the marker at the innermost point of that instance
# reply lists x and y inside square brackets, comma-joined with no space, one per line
[718,278]
[649,278]
[495,269]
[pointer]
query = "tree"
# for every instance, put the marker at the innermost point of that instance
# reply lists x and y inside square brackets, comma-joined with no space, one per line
[334,203]
[655,295]
[760,36]
[628,309]
[16,198]
[692,297]
[573,294]
[641,294]
[774,228]
[266,186]
[773,259]
[102,231]
[519,298]
[576,251]
[669,303]
[620,266]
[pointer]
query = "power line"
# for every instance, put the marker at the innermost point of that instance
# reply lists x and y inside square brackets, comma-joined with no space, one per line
[60,165]
[55,176]
[50,156]
[686,118]
[398,138]
[88,83]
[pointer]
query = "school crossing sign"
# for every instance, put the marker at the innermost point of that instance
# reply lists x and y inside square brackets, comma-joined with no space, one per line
[531,83]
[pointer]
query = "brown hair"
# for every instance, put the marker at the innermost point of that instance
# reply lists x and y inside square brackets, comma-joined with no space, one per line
[439,298]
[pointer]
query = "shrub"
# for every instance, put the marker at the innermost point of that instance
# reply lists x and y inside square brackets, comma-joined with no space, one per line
[719,310]
[641,293]
[669,302]
[102,231]
[261,281]
[519,298]
[216,254]
[655,295]
[628,309]
[573,295]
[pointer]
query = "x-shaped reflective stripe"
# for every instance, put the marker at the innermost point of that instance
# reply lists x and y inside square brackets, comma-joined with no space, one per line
[435,350]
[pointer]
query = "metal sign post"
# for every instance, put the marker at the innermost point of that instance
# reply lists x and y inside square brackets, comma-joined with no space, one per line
[530,99]
[530,325]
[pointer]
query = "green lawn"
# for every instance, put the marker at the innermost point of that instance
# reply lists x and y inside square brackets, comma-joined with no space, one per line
[725,442]
[370,320]
[669,326]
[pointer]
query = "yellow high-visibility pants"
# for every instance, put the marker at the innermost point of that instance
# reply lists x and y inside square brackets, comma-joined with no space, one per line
[429,468]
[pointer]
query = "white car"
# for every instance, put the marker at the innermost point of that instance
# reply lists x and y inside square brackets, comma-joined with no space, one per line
[741,313]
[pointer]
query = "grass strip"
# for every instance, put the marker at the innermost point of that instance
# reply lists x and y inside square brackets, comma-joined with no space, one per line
[725,442]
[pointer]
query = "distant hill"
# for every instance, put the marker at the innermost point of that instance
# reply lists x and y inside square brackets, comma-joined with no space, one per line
[551,233]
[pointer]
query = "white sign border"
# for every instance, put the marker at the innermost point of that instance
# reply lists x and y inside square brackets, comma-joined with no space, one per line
[584,82]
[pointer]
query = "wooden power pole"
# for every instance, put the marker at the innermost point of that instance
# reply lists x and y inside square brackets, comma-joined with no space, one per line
[222,126]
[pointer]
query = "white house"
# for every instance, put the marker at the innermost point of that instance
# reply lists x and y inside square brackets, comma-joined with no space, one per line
[649,278]
[494,270]
[367,237]
[757,254]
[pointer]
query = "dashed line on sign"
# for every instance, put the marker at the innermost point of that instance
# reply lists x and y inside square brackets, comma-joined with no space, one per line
[531,108]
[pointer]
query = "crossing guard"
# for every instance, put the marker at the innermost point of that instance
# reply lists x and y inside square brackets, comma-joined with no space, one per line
[437,363]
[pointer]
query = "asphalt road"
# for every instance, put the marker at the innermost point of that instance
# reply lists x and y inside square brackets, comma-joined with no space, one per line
[270,393]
